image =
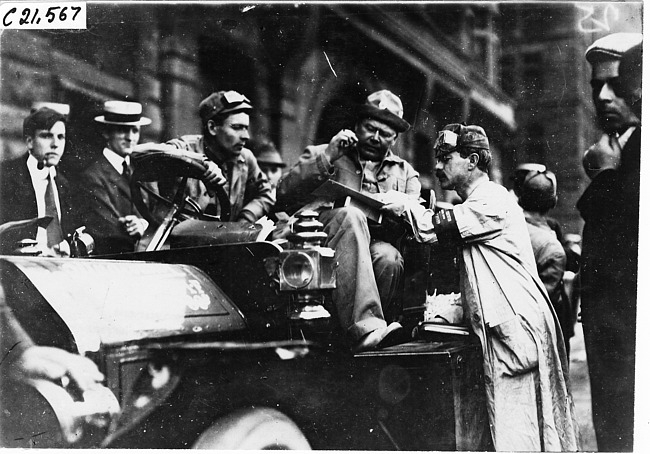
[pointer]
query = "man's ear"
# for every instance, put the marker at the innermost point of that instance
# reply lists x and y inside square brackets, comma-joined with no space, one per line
[212,127]
[473,159]
[29,141]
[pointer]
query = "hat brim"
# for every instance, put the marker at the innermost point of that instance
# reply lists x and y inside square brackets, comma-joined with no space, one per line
[392,120]
[272,163]
[143,121]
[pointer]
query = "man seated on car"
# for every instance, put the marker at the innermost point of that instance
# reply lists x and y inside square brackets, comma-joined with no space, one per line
[225,119]
[31,185]
[369,269]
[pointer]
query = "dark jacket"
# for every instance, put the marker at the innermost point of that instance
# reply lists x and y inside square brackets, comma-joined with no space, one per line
[249,191]
[105,196]
[18,201]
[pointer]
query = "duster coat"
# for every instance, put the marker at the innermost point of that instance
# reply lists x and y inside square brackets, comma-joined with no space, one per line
[505,303]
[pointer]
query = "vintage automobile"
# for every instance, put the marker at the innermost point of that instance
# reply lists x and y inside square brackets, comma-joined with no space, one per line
[227,342]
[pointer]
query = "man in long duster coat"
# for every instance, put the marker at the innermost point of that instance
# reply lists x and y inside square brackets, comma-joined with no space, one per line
[505,303]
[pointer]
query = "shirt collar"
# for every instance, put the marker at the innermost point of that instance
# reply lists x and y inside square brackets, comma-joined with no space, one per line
[115,159]
[36,173]
[623,138]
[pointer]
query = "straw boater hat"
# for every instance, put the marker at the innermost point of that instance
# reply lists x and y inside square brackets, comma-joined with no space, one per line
[123,113]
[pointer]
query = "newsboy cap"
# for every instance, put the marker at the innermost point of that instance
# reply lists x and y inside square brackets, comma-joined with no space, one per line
[471,136]
[612,46]
[223,102]
[123,113]
[43,118]
[386,107]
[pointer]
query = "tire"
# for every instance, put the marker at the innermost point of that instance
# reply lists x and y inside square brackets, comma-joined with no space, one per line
[256,428]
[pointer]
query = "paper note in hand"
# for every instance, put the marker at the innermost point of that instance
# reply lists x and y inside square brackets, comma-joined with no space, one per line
[343,196]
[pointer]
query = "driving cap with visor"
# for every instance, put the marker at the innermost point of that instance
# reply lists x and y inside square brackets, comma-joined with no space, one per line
[455,136]
[223,102]
[386,107]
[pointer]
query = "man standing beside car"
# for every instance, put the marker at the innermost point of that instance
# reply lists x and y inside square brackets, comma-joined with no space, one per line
[104,192]
[225,119]
[369,269]
[503,300]
[31,186]
[610,208]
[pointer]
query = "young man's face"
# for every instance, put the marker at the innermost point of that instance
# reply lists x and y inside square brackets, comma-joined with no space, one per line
[232,135]
[47,146]
[273,173]
[452,170]
[375,138]
[122,139]
[612,112]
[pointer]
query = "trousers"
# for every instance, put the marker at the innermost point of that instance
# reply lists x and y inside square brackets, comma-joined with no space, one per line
[368,271]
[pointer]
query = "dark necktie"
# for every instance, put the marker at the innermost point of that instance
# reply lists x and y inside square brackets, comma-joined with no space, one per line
[54,233]
[126,171]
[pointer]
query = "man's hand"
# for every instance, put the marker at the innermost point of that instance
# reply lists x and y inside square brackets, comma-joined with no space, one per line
[340,143]
[213,174]
[133,225]
[601,156]
[395,202]
[56,365]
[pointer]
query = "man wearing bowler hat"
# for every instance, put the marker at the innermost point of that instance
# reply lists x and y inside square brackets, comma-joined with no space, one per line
[31,186]
[369,269]
[105,200]
[225,119]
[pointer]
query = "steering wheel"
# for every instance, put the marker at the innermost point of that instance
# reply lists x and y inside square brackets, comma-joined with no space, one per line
[169,166]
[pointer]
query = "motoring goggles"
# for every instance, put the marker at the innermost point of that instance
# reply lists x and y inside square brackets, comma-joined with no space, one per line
[446,142]
[232,97]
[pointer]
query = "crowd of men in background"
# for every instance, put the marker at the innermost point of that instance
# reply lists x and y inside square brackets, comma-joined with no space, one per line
[512,261]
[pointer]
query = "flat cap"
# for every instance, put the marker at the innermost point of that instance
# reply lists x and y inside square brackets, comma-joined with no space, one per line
[223,102]
[612,46]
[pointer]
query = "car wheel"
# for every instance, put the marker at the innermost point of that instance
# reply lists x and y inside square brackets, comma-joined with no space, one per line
[256,428]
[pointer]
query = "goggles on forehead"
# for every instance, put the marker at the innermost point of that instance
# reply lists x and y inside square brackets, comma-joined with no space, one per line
[232,97]
[446,142]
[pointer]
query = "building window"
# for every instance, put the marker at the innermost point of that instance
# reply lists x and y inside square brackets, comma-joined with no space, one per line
[533,71]
[536,147]
[508,80]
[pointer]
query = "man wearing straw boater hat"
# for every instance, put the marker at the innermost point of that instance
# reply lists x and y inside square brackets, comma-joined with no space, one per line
[105,202]
[31,185]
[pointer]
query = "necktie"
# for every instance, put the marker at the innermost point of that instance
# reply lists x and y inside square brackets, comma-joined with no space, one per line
[54,233]
[126,171]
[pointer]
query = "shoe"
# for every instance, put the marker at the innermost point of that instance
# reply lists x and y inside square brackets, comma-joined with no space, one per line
[373,339]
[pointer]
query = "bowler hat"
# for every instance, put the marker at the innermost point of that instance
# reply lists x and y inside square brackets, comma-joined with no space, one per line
[612,46]
[386,107]
[223,102]
[123,113]
[43,118]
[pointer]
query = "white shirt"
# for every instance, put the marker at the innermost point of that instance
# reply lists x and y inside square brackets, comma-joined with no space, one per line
[623,138]
[39,182]
[116,160]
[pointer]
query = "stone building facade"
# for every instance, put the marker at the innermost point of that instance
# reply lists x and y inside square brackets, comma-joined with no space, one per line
[305,67]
